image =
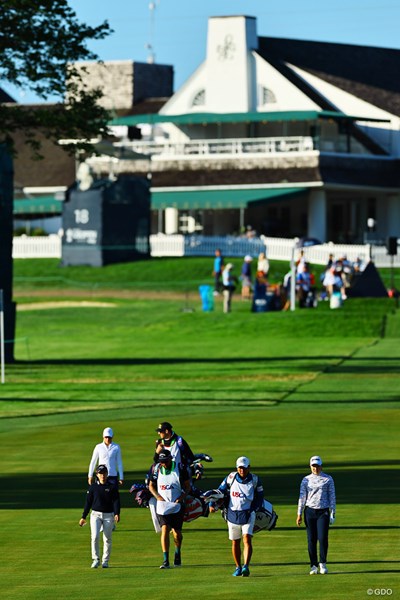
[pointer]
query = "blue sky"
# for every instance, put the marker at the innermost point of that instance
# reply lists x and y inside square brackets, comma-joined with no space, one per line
[178,29]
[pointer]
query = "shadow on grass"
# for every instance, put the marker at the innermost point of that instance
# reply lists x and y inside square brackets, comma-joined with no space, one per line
[336,562]
[363,483]
[179,360]
[328,364]
[372,364]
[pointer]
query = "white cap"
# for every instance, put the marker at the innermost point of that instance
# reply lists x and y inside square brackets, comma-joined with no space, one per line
[248,258]
[108,432]
[315,460]
[243,461]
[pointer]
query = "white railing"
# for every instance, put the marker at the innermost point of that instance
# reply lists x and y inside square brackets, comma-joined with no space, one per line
[180,245]
[48,246]
[238,147]
[167,245]
[281,249]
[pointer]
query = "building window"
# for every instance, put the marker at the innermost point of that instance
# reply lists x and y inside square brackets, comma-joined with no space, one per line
[267,96]
[200,98]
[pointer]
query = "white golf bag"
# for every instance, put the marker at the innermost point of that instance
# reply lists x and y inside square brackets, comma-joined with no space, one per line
[266,517]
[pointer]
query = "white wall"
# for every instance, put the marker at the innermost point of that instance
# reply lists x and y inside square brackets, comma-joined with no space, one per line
[288,96]
[229,63]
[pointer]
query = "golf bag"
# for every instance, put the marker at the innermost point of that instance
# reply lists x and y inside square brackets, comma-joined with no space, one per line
[196,467]
[195,508]
[266,517]
[142,494]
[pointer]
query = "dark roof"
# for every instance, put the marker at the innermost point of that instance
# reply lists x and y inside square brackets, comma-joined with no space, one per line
[367,72]
[57,168]
[4,97]
[146,106]
[209,177]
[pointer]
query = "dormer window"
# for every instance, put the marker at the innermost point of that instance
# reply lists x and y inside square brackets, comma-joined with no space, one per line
[267,96]
[200,98]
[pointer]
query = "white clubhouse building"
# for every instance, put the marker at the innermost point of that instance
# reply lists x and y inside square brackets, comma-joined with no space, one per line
[290,137]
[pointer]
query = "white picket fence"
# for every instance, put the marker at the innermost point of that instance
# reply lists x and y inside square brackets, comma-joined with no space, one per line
[179,245]
[25,246]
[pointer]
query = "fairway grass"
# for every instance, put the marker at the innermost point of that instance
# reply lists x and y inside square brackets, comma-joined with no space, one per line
[276,387]
[50,559]
[48,555]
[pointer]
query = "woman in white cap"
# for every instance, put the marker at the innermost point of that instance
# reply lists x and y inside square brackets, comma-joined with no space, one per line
[318,501]
[107,453]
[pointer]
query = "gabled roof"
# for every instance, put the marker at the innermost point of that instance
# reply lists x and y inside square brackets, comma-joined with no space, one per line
[367,72]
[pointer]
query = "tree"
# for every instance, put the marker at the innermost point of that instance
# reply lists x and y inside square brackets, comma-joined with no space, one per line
[40,40]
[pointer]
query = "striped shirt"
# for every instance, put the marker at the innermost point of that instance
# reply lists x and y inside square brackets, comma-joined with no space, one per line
[317,491]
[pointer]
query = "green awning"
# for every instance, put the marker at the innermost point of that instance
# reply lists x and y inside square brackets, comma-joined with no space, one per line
[249,117]
[219,199]
[43,205]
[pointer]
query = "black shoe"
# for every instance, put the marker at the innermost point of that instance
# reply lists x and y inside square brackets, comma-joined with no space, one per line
[165,565]
[177,561]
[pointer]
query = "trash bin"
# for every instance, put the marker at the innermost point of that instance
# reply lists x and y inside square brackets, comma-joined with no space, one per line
[336,300]
[207,297]
[264,301]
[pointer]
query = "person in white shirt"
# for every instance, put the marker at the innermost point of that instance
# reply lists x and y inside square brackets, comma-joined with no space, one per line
[318,501]
[262,266]
[107,453]
[229,282]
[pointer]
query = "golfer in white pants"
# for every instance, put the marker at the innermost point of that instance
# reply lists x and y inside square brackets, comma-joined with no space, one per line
[103,498]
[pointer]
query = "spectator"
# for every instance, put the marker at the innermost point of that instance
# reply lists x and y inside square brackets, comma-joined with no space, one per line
[330,262]
[333,283]
[245,277]
[305,284]
[250,232]
[217,271]
[286,289]
[346,270]
[301,262]
[262,268]
[229,285]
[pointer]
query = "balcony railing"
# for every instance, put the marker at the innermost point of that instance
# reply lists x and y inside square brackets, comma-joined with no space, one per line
[215,148]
